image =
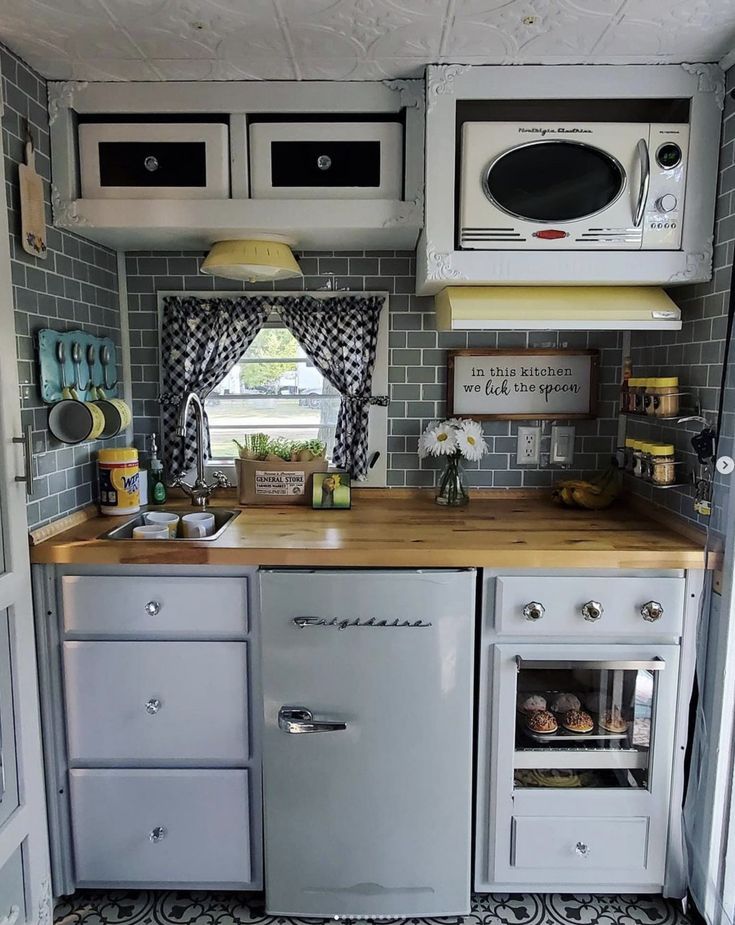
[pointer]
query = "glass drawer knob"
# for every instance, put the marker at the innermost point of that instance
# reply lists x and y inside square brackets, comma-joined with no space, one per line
[151,164]
[592,611]
[153,706]
[158,834]
[652,611]
[324,162]
[152,608]
[582,850]
[534,611]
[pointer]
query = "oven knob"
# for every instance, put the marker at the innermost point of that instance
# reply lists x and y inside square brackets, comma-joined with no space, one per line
[151,164]
[534,611]
[592,611]
[324,162]
[652,611]
[666,203]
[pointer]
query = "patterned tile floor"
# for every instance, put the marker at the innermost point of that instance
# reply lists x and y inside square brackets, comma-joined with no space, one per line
[180,908]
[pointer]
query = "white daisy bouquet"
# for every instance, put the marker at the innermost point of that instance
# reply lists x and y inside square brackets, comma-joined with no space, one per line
[454,439]
[460,437]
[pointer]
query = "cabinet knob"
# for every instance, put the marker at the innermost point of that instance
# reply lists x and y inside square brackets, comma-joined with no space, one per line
[324,162]
[582,850]
[151,164]
[153,706]
[152,608]
[534,611]
[652,611]
[592,611]
[158,833]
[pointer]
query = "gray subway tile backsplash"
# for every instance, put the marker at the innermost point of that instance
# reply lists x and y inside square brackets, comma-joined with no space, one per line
[75,287]
[417,370]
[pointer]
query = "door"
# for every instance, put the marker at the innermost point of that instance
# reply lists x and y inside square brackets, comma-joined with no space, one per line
[583,742]
[368,695]
[23,840]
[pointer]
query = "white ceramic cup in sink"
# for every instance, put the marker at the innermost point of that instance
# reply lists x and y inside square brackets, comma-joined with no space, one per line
[197,525]
[164,518]
[151,532]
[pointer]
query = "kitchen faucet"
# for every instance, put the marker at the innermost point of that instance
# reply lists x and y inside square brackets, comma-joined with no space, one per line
[200,491]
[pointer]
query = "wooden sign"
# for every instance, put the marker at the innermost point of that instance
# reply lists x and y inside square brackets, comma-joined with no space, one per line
[491,384]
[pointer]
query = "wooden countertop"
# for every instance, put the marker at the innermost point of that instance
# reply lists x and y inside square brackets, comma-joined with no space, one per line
[404,530]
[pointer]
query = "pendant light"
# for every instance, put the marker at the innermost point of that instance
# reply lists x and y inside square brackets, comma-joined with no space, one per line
[251,260]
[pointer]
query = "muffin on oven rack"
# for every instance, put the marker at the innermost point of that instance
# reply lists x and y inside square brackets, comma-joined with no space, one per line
[531,703]
[564,702]
[577,721]
[612,721]
[542,722]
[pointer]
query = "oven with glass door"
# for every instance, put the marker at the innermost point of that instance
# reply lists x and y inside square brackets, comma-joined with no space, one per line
[576,186]
[584,743]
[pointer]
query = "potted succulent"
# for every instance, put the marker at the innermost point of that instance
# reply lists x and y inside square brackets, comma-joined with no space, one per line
[272,470]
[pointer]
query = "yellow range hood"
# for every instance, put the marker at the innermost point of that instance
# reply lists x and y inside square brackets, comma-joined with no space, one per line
[556,308]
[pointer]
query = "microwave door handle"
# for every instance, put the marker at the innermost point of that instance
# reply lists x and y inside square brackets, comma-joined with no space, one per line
[641,150]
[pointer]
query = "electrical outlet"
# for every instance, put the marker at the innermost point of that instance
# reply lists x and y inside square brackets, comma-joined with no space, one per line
[562,445]
[528,448]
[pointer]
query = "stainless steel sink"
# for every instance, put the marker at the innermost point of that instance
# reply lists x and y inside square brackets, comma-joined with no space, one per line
[222,519]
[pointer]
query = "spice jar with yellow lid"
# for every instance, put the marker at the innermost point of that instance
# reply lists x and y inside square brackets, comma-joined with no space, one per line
[666,399]
[662,464]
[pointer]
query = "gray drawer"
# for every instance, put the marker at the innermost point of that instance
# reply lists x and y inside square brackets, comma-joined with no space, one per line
[152,702]
[153,607]
[161,827]
[9,800]
[579,845]
[12,890]
[563,598]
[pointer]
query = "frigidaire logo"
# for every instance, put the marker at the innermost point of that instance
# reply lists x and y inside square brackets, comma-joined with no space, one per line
[555,131]
[302,622]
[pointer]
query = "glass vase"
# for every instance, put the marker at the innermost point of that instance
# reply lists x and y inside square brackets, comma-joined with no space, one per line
[452,491]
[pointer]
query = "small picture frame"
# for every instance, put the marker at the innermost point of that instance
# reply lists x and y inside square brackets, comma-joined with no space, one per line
[331,491]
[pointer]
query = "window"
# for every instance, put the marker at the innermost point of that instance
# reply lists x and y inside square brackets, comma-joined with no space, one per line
[273,389]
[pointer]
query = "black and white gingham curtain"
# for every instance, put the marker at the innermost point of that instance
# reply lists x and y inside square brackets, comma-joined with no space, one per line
[340,337]
[201,340]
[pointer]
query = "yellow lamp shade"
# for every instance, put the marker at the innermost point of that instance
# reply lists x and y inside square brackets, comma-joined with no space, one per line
[251,261]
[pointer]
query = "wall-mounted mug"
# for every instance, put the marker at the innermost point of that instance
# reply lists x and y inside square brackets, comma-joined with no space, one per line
[121,411]
[195,526]
[113,418]
[73,421]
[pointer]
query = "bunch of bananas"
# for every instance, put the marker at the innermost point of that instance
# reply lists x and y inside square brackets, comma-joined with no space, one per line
[595,495]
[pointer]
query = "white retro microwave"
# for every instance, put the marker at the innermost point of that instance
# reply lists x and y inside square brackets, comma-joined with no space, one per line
[576,186]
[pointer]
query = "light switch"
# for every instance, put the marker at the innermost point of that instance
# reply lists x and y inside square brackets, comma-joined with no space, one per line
[562,445]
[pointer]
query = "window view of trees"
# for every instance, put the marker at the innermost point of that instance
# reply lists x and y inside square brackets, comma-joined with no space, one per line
[274,388]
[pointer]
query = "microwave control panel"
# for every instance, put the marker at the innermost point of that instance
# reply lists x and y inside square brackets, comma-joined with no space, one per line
[668,147]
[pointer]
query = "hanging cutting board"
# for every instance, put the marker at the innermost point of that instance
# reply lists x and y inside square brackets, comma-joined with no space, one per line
[32,209]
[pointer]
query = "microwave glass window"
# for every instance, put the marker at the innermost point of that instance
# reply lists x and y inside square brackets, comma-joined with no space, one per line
[553,181]
[586,726]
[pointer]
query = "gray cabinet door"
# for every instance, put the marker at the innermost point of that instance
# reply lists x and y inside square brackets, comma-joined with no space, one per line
[159,827]
[156,702]
[12,890]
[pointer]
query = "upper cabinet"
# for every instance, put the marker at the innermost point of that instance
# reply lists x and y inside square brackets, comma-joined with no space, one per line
[319,165]
[569,175]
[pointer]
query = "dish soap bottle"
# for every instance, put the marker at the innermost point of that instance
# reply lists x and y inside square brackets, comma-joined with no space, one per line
[157,491]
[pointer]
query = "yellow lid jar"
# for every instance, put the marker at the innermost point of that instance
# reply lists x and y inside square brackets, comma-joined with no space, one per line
[666,404]
[662,464]
[119,481]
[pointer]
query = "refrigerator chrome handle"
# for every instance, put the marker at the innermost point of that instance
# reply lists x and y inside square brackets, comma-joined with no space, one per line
[298,720]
